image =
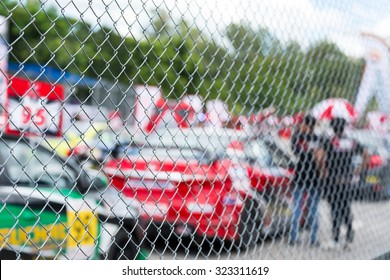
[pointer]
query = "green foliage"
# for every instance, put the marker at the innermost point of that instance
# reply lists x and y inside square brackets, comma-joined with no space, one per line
[251,70]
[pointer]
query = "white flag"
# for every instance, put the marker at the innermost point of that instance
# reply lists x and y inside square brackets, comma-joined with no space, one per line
[376,76]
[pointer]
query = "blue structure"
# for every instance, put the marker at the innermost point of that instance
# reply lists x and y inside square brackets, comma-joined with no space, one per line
[50,74]
[110,95]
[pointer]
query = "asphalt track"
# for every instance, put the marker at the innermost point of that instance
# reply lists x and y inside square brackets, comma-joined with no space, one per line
[372,240]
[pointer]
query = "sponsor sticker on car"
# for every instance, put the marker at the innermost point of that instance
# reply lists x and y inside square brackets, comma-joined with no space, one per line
[372,179]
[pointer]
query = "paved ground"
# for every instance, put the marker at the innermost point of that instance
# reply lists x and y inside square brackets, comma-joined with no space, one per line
[372,225]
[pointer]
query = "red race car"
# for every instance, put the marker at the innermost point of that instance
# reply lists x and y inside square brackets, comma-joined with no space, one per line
[185,183]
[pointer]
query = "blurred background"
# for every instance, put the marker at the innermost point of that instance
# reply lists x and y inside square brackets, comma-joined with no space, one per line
[163,129]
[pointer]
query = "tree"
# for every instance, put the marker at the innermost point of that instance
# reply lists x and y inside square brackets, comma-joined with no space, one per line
[334,74]
[254,72]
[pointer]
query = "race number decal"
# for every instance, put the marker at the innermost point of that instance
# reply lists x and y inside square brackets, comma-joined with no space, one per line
[34,108]
[83,229]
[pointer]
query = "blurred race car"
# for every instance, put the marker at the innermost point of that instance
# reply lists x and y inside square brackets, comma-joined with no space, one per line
[270,169]
[375,181]
[87,142]
[80,133]
[185,183]
[52,209]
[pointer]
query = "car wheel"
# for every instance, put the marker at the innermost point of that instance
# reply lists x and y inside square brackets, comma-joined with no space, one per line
[123,248]
[249,229]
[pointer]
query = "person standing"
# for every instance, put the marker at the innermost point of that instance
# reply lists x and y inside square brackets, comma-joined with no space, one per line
[306,193]
[340,171]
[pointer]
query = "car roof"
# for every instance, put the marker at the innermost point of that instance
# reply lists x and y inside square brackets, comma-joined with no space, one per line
[213,139]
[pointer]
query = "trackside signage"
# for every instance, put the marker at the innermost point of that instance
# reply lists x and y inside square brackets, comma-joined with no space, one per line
[33,108]
[3,67]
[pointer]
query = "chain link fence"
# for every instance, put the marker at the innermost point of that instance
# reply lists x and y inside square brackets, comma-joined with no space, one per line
[194,129]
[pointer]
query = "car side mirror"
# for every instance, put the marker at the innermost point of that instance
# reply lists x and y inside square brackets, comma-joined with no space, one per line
[83,184]
[91,181]
[116,150]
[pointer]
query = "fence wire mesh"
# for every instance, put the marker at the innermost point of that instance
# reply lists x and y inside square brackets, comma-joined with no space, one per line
[194,129]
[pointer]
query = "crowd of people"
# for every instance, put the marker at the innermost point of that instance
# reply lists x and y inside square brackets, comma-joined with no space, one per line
[327,167]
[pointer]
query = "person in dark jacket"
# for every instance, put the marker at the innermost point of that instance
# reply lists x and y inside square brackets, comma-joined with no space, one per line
[340,170]
[305,184]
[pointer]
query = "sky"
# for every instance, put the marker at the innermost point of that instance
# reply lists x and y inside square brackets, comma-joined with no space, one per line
[305,21]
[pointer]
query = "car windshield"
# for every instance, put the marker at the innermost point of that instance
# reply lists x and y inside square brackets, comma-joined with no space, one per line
[86,128]
[168,154]
[266,154]
[104,139]
[29,165]
[213,141]
[79,127]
